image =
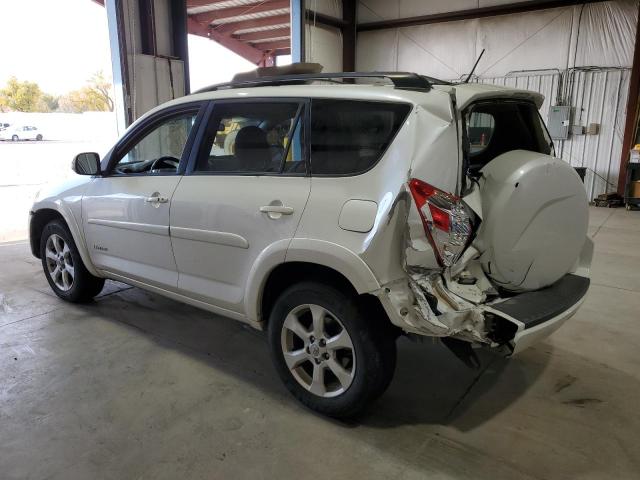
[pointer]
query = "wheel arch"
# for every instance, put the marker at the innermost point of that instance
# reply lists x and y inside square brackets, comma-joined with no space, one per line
[37,222]
[290,273]
[41,217]
[305,260]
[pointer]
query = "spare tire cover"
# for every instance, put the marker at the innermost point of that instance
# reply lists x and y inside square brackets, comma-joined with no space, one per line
[535,217]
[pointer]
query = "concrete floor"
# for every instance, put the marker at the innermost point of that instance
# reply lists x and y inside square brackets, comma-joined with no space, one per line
[137,386]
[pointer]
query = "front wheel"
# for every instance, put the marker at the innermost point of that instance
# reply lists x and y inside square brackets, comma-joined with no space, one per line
[329,354]
[39,138]
[15,138]
[67,276]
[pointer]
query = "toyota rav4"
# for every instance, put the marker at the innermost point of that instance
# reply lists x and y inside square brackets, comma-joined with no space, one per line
[335,216]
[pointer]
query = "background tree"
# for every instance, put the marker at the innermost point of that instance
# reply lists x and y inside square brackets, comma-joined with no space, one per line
[83,100]
[95,97]
[27,97]
[47,103]
[102,87]
[20,96]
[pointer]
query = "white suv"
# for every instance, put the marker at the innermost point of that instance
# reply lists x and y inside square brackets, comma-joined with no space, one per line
[337,217]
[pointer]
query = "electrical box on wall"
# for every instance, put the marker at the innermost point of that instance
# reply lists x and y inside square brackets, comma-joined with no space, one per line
[559,120]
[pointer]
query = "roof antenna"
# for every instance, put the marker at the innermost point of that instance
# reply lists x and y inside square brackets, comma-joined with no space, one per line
[474,66]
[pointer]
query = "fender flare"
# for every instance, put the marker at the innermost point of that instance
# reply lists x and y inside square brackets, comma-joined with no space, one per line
[74,228]
[269,258]
[305,250]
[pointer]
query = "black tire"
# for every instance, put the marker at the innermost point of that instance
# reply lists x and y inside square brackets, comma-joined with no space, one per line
[39,138]
[84,285]
[15,138]
[374,348]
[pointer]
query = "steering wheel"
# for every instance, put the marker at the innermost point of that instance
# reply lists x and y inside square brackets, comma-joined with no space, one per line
[166,161]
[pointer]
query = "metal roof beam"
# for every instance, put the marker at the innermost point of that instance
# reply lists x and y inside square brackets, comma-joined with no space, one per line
[282,51]
[245,50]
[492,11]
[206,3]
[263,34]
[326,20]
[223,13]
[253,23]
[279,44]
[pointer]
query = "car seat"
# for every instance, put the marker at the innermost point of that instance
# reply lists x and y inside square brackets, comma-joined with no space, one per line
[252,150]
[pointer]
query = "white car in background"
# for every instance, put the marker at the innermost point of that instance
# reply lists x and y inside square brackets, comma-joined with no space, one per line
[26,132]
[336,217]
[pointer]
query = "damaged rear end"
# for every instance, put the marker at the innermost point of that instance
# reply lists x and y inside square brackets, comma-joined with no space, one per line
[504,259]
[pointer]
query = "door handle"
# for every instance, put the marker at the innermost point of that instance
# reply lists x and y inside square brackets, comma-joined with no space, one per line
[282,210]
[156,199]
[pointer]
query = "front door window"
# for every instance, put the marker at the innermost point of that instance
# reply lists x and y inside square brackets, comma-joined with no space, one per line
[159,151]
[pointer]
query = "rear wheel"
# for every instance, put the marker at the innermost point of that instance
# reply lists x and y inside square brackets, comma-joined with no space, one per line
[63,266]
[329,354]
[39,138]
[15,138]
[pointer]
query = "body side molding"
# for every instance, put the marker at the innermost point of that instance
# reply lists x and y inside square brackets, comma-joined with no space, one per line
[136,227]
[209,236]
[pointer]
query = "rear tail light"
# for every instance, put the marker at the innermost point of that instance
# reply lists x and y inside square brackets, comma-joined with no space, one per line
[446,219]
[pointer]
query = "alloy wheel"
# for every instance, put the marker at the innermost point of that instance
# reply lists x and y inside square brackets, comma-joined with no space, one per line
[59,262]
[318,350]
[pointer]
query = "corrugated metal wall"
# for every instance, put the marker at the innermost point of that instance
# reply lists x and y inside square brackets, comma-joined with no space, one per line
[544,82]
[597,96]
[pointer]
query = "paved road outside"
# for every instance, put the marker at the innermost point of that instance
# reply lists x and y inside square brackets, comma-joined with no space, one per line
[25,167]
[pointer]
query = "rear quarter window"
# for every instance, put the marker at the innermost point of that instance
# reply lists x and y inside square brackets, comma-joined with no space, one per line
[480,131]
[349,137]
[497,127]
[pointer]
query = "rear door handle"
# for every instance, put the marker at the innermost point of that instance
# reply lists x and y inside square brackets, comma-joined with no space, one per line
[277,209]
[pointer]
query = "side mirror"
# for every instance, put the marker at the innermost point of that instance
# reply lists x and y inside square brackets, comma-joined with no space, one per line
[87,163]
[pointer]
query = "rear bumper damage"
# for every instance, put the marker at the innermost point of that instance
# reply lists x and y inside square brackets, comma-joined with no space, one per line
[517,323]
[430,303]
[422,305]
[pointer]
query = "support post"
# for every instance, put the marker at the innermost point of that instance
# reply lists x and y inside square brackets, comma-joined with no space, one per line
[631,123]
[297,31]
[349,35]
[180,39]
[148,43]
[119,64]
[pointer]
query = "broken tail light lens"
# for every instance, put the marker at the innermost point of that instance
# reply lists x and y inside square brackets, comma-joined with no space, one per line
[446,219]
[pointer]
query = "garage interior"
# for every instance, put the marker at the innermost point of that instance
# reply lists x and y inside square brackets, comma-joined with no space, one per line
[135,385]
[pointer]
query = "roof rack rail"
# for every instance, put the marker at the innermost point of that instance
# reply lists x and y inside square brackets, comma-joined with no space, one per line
[402,80]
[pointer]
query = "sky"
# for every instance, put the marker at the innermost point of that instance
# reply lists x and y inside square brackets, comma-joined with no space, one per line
[60,43]
[211,63]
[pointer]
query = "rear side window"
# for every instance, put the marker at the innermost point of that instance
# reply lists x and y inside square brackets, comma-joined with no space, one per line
[494,128]
[255,138]
[349,137]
